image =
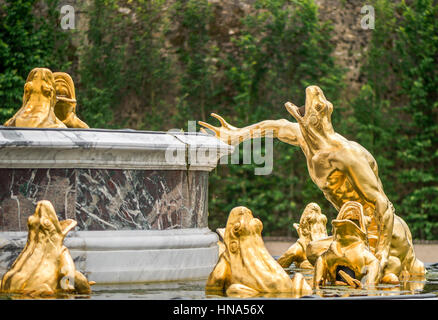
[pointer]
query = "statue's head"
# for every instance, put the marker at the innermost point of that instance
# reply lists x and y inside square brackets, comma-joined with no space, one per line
[316,114]
[39,97]
[65,94]
[65,88]
[312,224]
[44,221]
[241,223]
[350,222]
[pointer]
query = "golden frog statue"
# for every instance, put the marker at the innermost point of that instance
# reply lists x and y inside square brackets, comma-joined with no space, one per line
[342,169]
[49,101]
[39,99]
[65,108]
[348,259]
[312,227]
[45,266]
[246,268]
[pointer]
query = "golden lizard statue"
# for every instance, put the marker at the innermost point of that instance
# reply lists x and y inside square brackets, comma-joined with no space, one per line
[342,169]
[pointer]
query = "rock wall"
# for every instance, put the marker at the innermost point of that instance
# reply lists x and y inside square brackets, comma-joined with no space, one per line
[350,39]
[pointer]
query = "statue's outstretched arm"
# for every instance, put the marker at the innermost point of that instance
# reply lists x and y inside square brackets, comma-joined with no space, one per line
[282,129]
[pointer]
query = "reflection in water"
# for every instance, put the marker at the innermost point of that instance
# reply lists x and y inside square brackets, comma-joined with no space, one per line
[415,285]
[195,289]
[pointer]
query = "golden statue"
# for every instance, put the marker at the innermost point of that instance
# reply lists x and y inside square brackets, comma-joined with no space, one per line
[48,102]
[342,169]
[348,259]
[45,266]
[65,108]
[312,227]
[39,101]
[220,243]
[246,268]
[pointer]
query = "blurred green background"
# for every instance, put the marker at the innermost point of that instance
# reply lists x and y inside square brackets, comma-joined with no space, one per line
[154,65]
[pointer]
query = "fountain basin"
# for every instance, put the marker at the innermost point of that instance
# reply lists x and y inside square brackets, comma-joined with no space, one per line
[140,199]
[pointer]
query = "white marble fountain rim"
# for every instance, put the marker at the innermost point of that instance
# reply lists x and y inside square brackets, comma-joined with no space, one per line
[109,149]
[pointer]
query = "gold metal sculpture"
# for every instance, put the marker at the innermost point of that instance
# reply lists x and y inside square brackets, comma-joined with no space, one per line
[39,99]
[220,243]
[246,268]
[65,108]
[348,260]
[45,266]
[312,227]
[48,102]
[342,169]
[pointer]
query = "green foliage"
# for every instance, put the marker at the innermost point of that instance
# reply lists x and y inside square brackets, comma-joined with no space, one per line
[27,40]
[196,59]
[282,48]
[417,45]
[123,64]
[395,113]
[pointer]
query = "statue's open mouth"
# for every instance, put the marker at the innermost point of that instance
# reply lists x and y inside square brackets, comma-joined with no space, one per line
[351,215]
[302,111]
[297,113]
[350,223]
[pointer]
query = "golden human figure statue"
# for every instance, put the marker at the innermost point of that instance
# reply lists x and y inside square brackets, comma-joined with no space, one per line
[45,266]
[65,108]
[39,99]
[342,169]
[49,101]
[312,227]
[246,268]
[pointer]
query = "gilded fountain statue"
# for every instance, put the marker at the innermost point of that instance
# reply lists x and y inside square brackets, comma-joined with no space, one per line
[135,189]
[312,227]
[345,172]
[49,101]
[245,267]
[45,266]
[370,243]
